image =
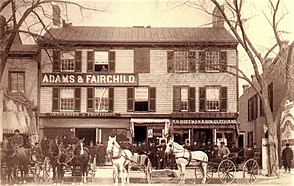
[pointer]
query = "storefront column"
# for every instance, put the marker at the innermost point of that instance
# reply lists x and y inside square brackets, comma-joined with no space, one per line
[214,136]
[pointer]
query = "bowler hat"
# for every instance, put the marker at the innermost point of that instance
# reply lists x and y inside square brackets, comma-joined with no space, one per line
[16,130]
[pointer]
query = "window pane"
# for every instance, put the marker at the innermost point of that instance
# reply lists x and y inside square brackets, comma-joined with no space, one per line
[212,61]
[66,93]
[212,98]
[184,98]
[17,81]
[181,61]
[67,99]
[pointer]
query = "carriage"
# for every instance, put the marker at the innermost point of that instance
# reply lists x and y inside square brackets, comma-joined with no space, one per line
[228,168]
[40,168]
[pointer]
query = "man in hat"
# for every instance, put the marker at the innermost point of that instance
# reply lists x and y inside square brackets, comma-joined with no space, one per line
[223,151]
[17,140]
[92,151]
[287,157]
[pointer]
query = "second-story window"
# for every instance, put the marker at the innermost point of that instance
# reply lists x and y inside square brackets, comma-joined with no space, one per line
[68,61]
[101,61]
[212,61]
[184,98]
[212,98]
[17,81]
[101,99]
[141,99]
[66,99]
[181,61]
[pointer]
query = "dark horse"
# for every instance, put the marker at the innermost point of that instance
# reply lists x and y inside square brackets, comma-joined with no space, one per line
[78,156]
[8,164]
[16,158]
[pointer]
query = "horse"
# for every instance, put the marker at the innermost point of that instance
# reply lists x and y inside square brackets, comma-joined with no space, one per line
[183,157]
[8,164]
[76,156]
[121,160]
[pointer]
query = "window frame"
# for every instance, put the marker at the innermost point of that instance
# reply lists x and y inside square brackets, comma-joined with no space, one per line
[95,100]
[73,53]
[73,99]
[187,101]
[219,98]
[221,65]
[10,80]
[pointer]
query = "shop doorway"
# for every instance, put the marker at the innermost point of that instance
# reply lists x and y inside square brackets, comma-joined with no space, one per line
[140,133]
[87,133]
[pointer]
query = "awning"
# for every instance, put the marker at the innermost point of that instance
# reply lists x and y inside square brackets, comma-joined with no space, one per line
[83,123]
[166,123]
[10,123]
[212,124]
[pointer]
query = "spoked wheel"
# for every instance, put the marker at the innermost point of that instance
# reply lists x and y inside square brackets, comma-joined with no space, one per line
[199,175]
[226,171]
[149,172]
[250,171]
[46,169]
[37,172]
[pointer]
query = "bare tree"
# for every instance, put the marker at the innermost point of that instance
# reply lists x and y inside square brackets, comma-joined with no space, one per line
[232,12]
[29,17]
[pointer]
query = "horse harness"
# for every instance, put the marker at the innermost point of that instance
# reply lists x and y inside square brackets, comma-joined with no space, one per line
[189,159]
[119,155]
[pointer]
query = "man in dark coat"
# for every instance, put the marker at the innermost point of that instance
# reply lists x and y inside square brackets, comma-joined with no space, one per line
[45,142]
[287,157]
[17,140]
[92,151]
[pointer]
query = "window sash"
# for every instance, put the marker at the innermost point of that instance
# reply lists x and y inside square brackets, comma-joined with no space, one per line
[141,94]
[101,99]
[212,61]
[67,61]
[17,80]
[184,98]
[66,99]
[101,57]
[181,61]
[213,98]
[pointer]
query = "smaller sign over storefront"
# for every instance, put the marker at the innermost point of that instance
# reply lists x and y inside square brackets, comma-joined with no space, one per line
[86,79]
[81,114]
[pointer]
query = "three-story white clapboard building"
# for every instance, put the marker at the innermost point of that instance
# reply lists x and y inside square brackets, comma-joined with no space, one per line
[139,83]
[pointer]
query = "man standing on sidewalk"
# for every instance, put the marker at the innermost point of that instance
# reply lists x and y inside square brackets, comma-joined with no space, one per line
[287,157]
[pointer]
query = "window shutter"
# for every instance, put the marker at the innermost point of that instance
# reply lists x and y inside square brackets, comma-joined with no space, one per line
[130,98]
[110,98]
[77,99]
[249,109]
[192,99]
[223,61]
[202,99]
[223,101]
[142,60]
[90,61]
[177,99]
[55,99]
[192,61]
[111,58]
[152,99]
[90,95]
[56,61]
[201,61]
[78,59]
[170,61]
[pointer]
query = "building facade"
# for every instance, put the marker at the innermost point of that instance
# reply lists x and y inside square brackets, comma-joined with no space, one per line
[140,83]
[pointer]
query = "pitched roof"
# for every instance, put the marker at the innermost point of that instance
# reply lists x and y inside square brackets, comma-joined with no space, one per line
[21,48]
[138,35]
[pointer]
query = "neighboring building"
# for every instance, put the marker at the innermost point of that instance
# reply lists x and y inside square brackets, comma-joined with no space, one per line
[139,83]
[19,88]
[252,121]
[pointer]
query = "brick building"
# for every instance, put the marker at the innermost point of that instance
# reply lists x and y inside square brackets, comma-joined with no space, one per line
[140,83]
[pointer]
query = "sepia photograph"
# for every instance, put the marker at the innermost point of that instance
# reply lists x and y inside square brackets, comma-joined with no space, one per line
[146,92]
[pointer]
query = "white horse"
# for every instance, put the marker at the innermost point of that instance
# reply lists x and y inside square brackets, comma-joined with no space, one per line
[183,157]
[121,160]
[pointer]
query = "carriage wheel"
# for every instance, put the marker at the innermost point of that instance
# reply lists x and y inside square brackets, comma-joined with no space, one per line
[199,175]
[149,171]
[250,171]
[46,169]
[226,171]
[37,171]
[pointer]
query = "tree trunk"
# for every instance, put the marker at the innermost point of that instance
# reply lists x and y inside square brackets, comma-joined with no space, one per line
[273,150]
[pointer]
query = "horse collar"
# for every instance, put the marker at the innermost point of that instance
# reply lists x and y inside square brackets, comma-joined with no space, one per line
[118,156]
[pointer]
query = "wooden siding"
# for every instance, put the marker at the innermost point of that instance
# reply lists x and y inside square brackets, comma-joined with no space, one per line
[120,100]
[84,99]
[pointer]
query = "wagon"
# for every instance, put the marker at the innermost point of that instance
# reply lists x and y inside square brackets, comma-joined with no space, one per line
[227,169]
[40,168]
[140,162]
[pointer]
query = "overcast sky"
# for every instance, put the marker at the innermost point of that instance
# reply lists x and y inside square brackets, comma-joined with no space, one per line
[170,13]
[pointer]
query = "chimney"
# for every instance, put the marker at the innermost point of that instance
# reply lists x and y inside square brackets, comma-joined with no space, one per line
[217,18]
[56,16]
[245,87]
